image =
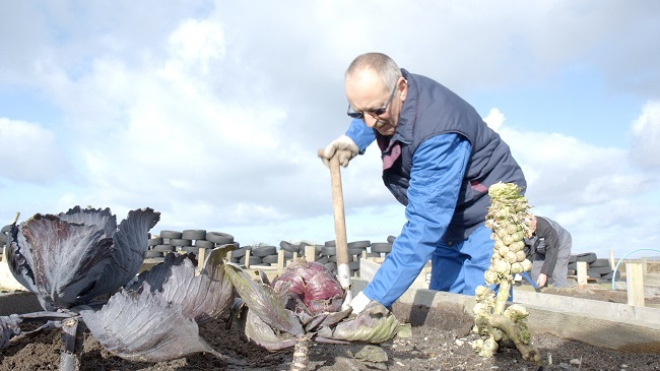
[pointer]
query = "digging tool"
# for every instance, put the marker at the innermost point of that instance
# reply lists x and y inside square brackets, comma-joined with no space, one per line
[341,246]
[529,279]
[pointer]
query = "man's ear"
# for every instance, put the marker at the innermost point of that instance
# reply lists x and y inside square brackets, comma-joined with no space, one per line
[403,91]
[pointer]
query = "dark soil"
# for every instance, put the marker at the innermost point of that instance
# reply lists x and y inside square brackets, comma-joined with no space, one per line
[440,341]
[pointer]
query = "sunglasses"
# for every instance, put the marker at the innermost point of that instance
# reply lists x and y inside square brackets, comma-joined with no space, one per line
[373,112]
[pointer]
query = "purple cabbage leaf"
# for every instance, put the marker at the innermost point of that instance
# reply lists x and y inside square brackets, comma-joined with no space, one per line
[155,318]
[306,292]
[9,327]
[267,303]
[74,257]
[259,332]
[144,327]
[202,296]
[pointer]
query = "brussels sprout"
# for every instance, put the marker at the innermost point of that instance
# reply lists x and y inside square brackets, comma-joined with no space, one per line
[509,220]
[511,257]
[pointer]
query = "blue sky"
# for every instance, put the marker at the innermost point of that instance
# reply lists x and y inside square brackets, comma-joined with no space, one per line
[212,112]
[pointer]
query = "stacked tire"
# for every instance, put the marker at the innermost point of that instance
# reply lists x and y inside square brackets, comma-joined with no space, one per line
[598,269]
[325,254]
[187,241]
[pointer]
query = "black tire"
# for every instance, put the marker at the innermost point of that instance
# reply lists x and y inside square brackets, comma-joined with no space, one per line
[373,255]
[354,265]
[318,249]
[329,250]
[593,273]
[193,234]
[333,258]
[270,259]
[588,257]
[237,245]
[239,253]
[356,251]
[322,259]
[254,260]
[601,270]
[381,247]
[359,245]
[163,248]
[204,244]
[572,259]
[391,239]
[170,234]
[155,241]
[330,243]
[264,251]
[180,242]
[331,266]
[288,254]
[3,239]
[600,263]
[219,237]
[192,249]
[289,246]
[608,276]
[572,266]
[153,254]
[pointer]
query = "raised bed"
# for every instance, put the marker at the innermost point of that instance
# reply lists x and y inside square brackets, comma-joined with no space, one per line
[439,340]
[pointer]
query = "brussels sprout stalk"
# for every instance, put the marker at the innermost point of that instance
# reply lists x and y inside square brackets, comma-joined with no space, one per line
[508,218]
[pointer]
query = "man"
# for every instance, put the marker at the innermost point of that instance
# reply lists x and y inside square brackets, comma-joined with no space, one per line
[549,249]
[439,158]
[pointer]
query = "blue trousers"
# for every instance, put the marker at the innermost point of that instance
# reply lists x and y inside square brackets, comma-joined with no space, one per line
[460,268]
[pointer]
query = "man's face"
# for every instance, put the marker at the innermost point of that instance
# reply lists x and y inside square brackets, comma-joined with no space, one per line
[367,94]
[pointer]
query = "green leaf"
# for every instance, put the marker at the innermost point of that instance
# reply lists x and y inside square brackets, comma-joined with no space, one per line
[263,301]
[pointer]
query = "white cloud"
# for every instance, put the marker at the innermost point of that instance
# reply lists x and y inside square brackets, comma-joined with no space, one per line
[594,192]
[31,154]
[646,136]
[195,45]
[494,119]
[213,112]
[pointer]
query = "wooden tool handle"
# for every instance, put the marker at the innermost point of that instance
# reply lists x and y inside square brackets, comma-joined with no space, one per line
[341,245]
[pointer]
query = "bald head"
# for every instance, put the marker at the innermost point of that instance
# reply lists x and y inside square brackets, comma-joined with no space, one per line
[375,91]
[379,64]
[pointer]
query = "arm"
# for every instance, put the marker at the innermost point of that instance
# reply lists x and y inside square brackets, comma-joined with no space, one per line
[435,181]
[361,134]
[544,230]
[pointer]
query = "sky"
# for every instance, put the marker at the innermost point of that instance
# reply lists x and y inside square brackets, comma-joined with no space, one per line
[212,112]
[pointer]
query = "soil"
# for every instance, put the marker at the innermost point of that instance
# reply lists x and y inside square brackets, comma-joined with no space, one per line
[440,341]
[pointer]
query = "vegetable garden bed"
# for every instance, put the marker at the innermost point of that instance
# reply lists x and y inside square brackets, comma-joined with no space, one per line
[439,341]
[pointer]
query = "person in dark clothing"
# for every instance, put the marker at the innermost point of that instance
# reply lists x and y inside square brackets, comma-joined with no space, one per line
[549,249]
[439,158]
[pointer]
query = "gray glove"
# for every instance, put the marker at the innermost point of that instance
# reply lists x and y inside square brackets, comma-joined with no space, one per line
[344,147]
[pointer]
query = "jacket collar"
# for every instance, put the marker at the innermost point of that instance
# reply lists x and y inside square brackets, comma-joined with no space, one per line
[406,122]
[391,146]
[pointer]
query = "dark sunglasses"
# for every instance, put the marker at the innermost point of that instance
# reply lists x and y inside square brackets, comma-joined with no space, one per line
[373,112]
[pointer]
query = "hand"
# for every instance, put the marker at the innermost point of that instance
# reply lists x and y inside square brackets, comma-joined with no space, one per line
[542,280]
[359,302]
[345,149]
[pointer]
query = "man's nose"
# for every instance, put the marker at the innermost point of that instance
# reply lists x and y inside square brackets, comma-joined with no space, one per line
[369,120]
